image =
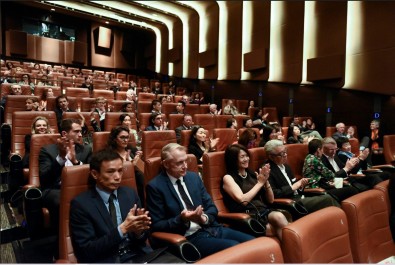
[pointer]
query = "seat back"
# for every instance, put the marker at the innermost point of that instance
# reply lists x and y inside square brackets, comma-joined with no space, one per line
[146,96]
[152,142]
[259,250]
[21,126]
[38,141]
[213,172]
[107,94]
[368,222]
[240,120]
[185,137]
[389,148]
[6,89]
[354,145]
[118,104]
[99,140]
[88,104]
[204,109]
[207,121]
[383,187]
[330,130]
[77,92]
[221,120]
[112,120]
[175,120]
[15,103]
[251,112]
[273,114]
[120,95]
[227,136]
[75,181]
[144,106]
[168,108]
[257,158]
[86,115]
[320,237]
[242,105]
[295,159]
[225,102]
[192,109]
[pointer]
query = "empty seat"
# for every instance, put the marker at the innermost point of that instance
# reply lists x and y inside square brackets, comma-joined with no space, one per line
[146,96]
[144,106]
[168,108]
[192,109]
[389,149]
[368,223]
[320,237]
[204,109]
[152,142]
[88,104]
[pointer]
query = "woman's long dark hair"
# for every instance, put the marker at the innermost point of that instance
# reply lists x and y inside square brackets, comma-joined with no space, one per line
[112,138]
[192,140]
[232,158]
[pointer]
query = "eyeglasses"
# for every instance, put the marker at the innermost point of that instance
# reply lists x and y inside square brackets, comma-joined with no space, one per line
[281,154]
[123,138]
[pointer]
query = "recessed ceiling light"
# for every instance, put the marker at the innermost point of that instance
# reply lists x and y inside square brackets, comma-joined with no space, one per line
[107,22]
[52,9]
[155,15]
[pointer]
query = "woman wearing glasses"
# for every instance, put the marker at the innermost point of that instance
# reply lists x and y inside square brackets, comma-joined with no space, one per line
[247,191]
[118,141]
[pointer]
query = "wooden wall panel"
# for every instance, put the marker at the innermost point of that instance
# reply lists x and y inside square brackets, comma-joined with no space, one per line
[212,17]
[31,46]
[327,55]
[371,60]
[260,39]
[193,55]
[50,50]
[177,45]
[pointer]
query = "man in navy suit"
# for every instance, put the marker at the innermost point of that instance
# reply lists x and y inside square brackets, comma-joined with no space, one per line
[107,224]
[179,203]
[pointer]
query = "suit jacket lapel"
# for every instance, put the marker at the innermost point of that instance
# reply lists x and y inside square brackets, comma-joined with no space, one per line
[98,202]
[191,190]
[166,179]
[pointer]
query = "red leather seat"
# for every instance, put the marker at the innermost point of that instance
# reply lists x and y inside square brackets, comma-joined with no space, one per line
[221,120]
[39,90]
[118,104]
[389,149]
[273,114]
[175,120]
[120,95]
[320,237]
[185,137]
[227,136]
[86,115]
[112,120]
[15,103]
[74,182]
[77,92]
[256,130]
[259,250]
[152,142]
[192,109]
[295,159]
[204,109]
[368,223]
[168,108]
[144,106]
[242,105]
[107,94]
[146,96]
[207,121]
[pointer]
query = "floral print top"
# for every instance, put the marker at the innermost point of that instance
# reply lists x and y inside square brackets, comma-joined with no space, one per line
[314,169]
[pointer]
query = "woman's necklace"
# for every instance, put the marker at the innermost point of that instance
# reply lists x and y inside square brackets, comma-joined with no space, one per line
[243,175]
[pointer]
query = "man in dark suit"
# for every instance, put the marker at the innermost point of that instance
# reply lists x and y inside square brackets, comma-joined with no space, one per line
[179,203]
[331,160]
[156,123]
[107,223]
[340,131]
[68,151]
[62,105]
[284,184]
[186,125]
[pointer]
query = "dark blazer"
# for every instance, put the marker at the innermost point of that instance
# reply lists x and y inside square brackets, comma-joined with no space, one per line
[338,135]
[280,186]
[59,116]
[178,132]
[150,128]
[165,207]
[339,174]
[94,237]
[196,151]
[50,170]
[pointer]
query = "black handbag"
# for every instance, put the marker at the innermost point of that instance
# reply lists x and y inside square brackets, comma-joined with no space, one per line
[256,224]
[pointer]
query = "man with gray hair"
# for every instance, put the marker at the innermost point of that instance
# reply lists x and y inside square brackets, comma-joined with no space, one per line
[213,110]
[340,131]
[179,203]
[284,183]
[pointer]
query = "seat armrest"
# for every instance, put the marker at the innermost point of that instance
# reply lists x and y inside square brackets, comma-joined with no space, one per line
[168,237]
[386,167]
[357,175]
[314,191]
[283,201]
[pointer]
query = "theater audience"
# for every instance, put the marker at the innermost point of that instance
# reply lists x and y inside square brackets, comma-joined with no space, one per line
[101,110]
[126,121]
[68,151]
[285,185]
[32,104]
[131,94]
[248,139]
[199,143]
[244,190]
[322,177]
[305,131]
[187,124]
[157,123]
[230,108]
[62,105]
[107,223]
[340,131]
[40,125]
[196,216]
[197,99]
[118,141]
[47,93]
[213,110]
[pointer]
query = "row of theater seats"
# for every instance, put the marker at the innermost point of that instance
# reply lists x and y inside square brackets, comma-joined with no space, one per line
[359,232]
